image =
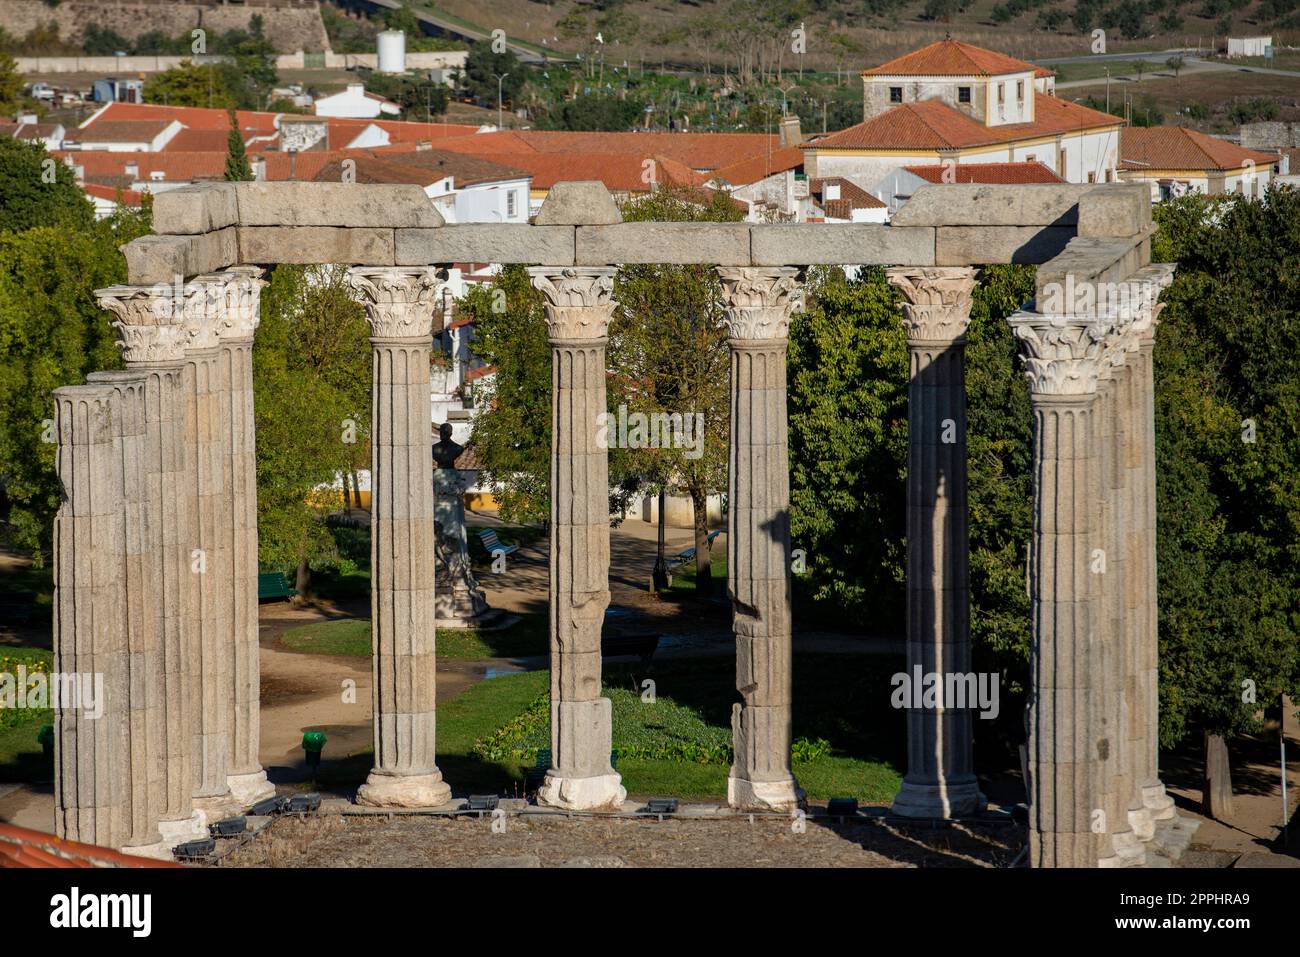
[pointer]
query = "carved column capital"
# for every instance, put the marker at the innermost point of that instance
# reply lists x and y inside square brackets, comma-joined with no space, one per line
[148,328]
[204,308]
[1066,355]
[579,300]
[759,300]
[399,300]
[241,313]
[936,301]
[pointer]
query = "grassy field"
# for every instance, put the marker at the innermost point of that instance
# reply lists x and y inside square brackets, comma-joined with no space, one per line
[1217,91]
[21,757]
[351,637]
[679,744]
[1096,69]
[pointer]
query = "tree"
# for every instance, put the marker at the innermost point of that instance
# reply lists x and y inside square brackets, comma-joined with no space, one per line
[311,378]
[11,85]
[237,168]
[1175,63]
[482,67]
[38,190]
[191,85]
[593,111]
[670,355]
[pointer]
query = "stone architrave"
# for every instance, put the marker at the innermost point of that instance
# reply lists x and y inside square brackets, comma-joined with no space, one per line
[210,562]
[242,296]
[400,303]
[459,602]
[1063,358]
[578,303]
[940,780]
[153,339]
[92,752]
[758,302]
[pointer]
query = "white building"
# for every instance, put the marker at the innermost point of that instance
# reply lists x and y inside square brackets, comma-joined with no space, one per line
[355,103]
[123,136]
[1174,161]
[1249,46]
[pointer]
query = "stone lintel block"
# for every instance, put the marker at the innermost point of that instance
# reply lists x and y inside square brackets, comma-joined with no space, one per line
[200,208]
[815,244]
[723,244]
[964,245]
[580,202]
[160,259]
[294,203]
[974,204]
[1115,210]
[486,242]
[1093,260]
[306,245]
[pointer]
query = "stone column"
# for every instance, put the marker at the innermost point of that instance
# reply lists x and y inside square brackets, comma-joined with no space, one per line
[209,554]
[579,303]
[1063,357]
[153,339]
[245,776]
[91,752]
[758,304]
[399,304]
[940,780]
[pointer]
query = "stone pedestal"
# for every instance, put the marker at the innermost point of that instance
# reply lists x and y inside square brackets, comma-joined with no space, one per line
[579,302]
[758,304]
[940,780]
[150,327]
[458,601]
[399,304]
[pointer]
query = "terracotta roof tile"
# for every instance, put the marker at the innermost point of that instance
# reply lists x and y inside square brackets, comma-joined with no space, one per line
[952,58]
[23,847]
[699,151]
[421,168]
[121,131]
[125,197]
[754,168]
[990,173]
[1175,147]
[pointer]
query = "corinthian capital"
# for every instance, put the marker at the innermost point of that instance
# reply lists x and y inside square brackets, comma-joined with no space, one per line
[242,305]
[579,299]
[148,328]
[1065,355]
[204,309]
[936,301]
[759,300]
[399,301]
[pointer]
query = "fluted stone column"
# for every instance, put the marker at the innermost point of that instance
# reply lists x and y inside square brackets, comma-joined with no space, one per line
[211,584]
[940,780]
[579,303]
[91,752]
[758,303]
[153,338]
[1063,356]
[245,776]
[399,304]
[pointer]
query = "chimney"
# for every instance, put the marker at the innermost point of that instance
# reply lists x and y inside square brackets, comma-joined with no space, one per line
[830,191]
[132,170]
[423,146]
[258,165]
[790,133]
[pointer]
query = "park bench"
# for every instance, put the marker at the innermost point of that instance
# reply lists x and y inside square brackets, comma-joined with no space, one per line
[273,585]
[644,645]
[682,557]
[493,544]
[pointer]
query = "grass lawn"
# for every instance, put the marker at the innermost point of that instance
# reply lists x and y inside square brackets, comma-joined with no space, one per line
[488,736]
[1092,70]
[21,757]
[351,637]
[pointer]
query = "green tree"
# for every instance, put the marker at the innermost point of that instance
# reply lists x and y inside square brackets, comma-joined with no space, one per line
[38,190]
[482,67]
[311,378]
[191,85]
[237,168]
[11,85]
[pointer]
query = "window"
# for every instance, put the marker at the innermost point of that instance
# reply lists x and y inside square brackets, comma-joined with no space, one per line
[1020,90]
[963,94]
[895,94]
[1092,177]
[511,204]
[1031,158]
[1002,94]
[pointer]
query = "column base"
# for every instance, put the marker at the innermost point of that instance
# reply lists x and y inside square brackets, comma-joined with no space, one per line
[404,790]
[1128,851]
[746,795]
[1158,802]
[250,788]
[953,799]
[191,828]
[219,807]
[160,851]
[600,792]
[1142,823]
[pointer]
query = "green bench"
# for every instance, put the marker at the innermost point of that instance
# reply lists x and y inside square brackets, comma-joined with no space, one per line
[493,543]
[682,557]
[273,585]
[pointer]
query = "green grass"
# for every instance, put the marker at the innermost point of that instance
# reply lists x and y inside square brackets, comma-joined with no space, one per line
[351,637]
[1096,70]
[21,757]
[841,699]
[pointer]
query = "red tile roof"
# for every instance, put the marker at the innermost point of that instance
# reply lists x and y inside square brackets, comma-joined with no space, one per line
[23,847]
[1174,147]
[754,168]
[618,172]
[932,124]
[990,173]
[121,131]
[953,58]
[419,167]
[699,151]
[198,141]
[851,194]
[115,194]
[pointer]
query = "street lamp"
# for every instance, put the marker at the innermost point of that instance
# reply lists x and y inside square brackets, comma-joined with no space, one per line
[500,79]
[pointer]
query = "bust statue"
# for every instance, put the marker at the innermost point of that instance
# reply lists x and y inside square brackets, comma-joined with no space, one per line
[445,451]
